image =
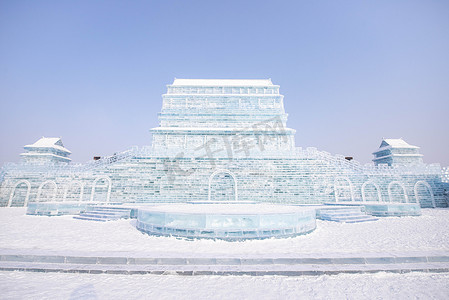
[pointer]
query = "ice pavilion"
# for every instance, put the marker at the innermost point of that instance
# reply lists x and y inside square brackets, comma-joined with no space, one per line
[222,141]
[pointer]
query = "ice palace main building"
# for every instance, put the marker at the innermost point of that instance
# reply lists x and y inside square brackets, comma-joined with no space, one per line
[222,141]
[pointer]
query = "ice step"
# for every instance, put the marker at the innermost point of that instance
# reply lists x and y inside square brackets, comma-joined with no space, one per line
[98,212]
[122,211]
[111,213]
[112,209]
[353,221]
[100,216]
[352,218]
[90,218]
[323,211]
[361,220]
[346,216]
[339,214]
[104,214]
[341,211]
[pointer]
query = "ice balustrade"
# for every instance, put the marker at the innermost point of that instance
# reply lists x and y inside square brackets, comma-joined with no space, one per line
[445,174]
[350,186]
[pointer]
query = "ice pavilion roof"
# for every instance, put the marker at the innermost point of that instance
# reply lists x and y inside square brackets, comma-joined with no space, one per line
[222,82]
[45,142]
[394,143]
[397,143]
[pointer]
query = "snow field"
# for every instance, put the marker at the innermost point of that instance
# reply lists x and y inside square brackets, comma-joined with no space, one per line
[399,234]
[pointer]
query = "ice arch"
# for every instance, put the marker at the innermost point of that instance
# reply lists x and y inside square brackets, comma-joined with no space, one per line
[27,197]
[390,195]
[108,185]
[337,187]
[70,185]
[379,195]
[223,171]
[427,185]
[39,190]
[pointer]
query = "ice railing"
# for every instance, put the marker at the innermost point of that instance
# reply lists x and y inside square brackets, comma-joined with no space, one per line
[2,175]
[340,160]
[445,174]
[307,153]
[298,153]
[14,168]
[107,160]
[71,167]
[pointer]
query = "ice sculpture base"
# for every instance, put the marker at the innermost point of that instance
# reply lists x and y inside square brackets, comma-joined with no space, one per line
[226,221]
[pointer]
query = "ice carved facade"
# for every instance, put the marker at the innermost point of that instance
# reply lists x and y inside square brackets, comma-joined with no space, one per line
[220,140]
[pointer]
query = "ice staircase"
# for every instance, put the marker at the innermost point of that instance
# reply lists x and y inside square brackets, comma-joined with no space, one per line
[105,213]
[347,215]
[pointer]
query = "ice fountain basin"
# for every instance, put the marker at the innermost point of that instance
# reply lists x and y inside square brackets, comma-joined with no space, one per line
[226,221]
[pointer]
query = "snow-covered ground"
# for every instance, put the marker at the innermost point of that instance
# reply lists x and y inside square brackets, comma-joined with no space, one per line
[425,233]
[429,232]
[25,285]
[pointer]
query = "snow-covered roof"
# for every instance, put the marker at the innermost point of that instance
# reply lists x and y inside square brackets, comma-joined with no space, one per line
[394,143]
[222,82]
[45,142]
[398,143]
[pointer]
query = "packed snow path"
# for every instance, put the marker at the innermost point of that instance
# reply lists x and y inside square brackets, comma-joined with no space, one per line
[27,285]
[428,232]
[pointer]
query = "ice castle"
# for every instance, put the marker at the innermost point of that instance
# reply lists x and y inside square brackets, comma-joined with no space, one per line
[222,141]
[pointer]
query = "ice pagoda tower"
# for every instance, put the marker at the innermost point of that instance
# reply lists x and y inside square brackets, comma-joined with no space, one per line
[222,118]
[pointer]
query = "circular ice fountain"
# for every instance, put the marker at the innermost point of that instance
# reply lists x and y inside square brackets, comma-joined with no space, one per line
[226,221]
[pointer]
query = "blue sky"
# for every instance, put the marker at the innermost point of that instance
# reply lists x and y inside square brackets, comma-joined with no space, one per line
[352,72]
